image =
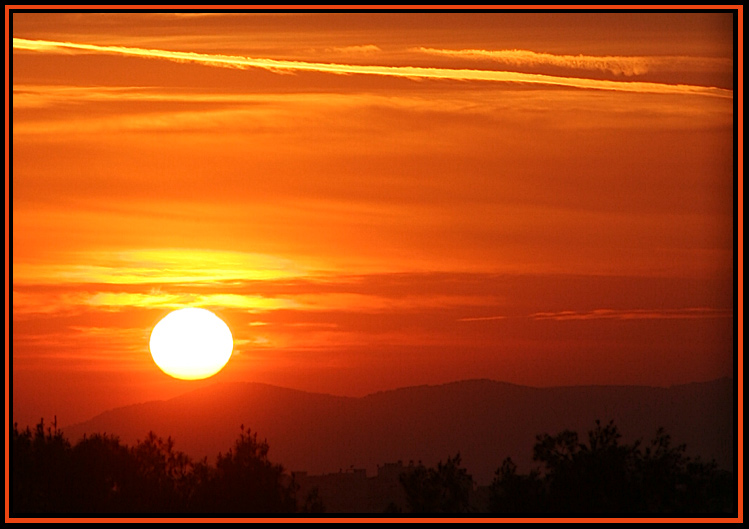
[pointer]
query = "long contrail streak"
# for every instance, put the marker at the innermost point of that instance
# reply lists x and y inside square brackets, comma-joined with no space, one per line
[412,72]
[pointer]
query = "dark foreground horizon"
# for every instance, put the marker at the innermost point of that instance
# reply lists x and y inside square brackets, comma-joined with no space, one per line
[598,475]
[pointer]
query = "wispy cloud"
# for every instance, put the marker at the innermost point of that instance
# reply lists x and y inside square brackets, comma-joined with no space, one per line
[173,278]
[84,343]
[113,301]
[170,265]
[617,65]
[37,96]
[484,318]
[33,304]
[412,72]
[637,314]
[361,49]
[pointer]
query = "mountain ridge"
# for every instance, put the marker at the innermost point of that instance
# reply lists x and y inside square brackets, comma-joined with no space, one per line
[485,420]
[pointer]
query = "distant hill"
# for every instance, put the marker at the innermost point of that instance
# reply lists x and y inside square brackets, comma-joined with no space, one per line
[484,420]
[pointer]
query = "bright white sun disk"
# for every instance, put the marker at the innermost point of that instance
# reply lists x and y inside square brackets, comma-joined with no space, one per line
[191,344]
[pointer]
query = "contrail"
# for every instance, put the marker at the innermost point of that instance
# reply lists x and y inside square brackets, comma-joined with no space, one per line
[411,72]
[617,65]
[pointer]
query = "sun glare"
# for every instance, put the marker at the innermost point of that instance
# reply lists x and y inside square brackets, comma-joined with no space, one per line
[191,344]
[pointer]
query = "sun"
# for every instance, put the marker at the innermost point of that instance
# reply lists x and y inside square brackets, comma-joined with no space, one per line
[191,344]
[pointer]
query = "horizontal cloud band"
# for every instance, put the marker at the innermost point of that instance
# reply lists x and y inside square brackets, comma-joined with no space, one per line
[638,314]
[617,65]
[412,72]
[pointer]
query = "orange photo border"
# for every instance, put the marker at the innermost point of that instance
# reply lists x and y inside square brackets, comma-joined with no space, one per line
[739,154]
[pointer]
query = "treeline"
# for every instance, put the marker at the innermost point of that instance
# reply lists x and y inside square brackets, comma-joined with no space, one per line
[100,475]
[602,476]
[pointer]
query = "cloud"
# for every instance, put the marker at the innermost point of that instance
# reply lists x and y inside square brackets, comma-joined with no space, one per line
[168,265]
[174,278]
[410,72]
[618,65]
[637,314]
[121,300]
[484,318]
[362,49]
[81,342]
[35,304]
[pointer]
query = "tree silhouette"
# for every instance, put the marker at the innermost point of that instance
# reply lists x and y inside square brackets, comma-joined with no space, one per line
[587,478]
[445,489]
[245,481]
[599,475]
[516,493]
[607,476]
[101,475]
[163,475]
[39,463]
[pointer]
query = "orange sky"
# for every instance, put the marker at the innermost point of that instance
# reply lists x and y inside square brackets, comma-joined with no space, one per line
[371,200]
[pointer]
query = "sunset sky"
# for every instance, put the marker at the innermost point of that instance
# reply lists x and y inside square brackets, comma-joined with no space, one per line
[371,200]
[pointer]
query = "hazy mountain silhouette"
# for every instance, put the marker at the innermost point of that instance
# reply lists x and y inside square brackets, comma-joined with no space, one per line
[486,421]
